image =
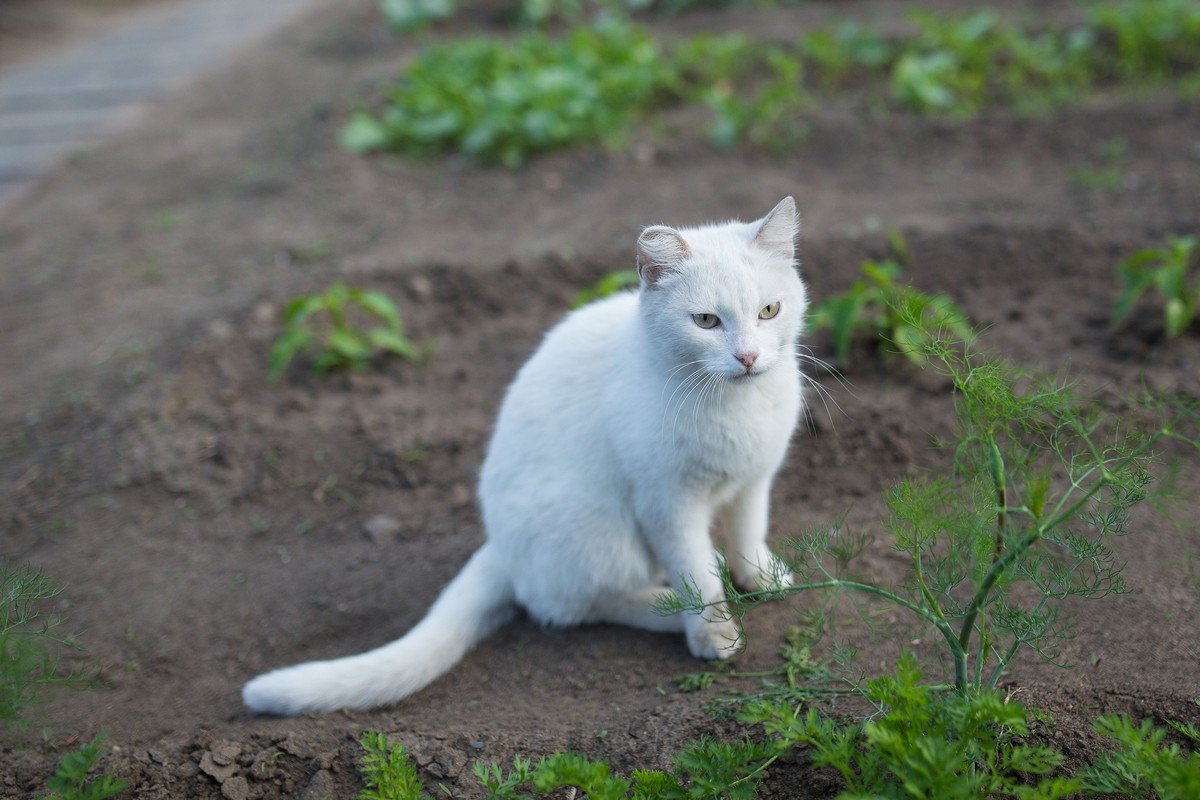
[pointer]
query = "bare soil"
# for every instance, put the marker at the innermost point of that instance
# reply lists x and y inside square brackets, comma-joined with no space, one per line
[210,524]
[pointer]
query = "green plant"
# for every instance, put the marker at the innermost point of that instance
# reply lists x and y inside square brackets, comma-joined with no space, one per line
[386,771]
[1150,38]
[1040,485]
[30,647]
[1171,269]
[404,16]
[959,65]
[921,743]
[70,781]
[889,312]
[706,769]
[339,344]
[1142,765]
[503,101]
[847,47]
[754,90]
[607,286]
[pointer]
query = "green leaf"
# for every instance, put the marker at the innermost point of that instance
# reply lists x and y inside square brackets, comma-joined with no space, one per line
[1179,315]
[381,306]
[364,133]
[394,343]
[285,349]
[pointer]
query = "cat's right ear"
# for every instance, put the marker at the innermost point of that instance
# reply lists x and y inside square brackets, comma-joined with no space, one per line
[659,250]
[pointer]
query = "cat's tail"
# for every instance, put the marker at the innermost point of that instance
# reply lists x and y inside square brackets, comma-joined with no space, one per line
[470,608]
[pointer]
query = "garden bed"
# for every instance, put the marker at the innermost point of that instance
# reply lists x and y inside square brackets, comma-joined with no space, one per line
[209,524]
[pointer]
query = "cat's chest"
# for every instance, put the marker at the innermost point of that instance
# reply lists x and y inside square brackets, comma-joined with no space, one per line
[740,439]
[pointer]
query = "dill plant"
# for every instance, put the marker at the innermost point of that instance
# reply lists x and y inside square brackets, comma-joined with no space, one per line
[71,780]
[31,647]
[387,773]
[1041,484]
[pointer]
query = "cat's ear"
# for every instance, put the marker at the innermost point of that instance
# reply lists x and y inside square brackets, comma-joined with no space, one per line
[659,249]
[778,230]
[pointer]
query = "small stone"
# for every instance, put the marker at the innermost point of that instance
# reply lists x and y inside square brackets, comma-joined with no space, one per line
[237,788]
[225,753]
[216,771]
[321,786]
[220,329]
[421,287]
[460,494]
[477,745]
[381,527]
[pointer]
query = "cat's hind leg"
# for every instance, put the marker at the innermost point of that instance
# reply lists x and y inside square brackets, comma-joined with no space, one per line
[636,609]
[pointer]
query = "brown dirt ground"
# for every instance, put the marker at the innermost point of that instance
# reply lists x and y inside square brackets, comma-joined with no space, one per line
[209,525]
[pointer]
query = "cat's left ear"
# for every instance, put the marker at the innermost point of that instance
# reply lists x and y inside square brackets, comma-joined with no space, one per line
[778,230]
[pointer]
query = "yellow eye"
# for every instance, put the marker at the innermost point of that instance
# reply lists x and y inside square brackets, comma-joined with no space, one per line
[769,311]
[706,320]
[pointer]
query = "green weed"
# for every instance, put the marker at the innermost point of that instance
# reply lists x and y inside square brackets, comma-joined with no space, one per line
[386,771]
[71,782]
[31,648]
[889,312]
[339,344]
[1173,270]
[1142,765]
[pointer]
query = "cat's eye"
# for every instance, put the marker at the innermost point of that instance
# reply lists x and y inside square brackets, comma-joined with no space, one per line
[769,312]
[706,320]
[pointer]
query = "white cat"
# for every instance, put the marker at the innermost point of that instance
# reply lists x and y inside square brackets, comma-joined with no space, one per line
[641,420]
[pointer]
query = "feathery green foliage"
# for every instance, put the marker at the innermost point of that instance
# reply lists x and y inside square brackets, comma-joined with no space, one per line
[923,744]
[889,312]
[1141,765]
[1041,484]
[706,769]
[1174,271]
[339,344]
[70,780]
[386,771]
[30,648]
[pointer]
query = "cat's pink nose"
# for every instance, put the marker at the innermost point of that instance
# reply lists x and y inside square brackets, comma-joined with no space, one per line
[747,358]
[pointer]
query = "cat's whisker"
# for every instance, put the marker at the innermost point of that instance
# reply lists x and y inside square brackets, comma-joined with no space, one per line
[825,365]
[693,379]
[826,398]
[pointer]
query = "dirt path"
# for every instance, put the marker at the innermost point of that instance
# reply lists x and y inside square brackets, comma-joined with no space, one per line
[209,524]
[52,106]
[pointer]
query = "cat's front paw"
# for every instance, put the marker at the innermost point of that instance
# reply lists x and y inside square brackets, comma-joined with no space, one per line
[773,576]
[709,639]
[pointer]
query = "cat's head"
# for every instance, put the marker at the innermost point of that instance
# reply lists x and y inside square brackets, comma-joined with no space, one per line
[727,298]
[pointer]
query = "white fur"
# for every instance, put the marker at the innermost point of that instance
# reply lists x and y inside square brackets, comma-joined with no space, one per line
[623,439]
